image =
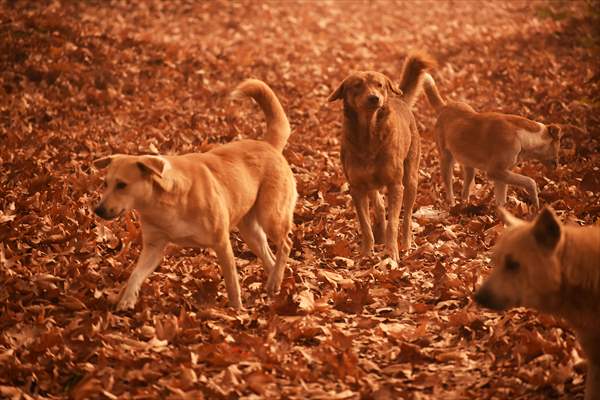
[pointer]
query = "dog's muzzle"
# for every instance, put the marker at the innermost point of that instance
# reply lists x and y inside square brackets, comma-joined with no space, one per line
[485,298]
[373,100]
[102,212]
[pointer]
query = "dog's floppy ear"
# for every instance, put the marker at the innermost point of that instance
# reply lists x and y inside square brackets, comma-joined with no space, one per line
[508,219]
[102,162]
[394,88]
[338,94]
[554,131]
[156,167]
[547,229]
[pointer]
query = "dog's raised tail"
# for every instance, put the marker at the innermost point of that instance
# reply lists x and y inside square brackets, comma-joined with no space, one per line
[413,72]
[278,126]
[432,93]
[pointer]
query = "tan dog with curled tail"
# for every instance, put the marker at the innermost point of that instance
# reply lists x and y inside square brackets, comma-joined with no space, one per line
[197,199]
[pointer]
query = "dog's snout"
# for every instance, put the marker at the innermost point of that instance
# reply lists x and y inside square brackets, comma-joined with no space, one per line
[373,99]
[100,211]
[484,297]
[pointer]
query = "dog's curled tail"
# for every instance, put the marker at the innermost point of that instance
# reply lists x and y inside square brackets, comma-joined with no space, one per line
[278,126]
[413,71]
[433,95]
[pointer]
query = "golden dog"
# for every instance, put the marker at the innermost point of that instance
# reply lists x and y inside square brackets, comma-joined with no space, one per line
[490,142]
[381,149]
[555,269]
[197,199]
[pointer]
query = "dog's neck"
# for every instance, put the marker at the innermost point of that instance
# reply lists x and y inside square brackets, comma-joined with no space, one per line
[580,281]
[363,126]
[533,144]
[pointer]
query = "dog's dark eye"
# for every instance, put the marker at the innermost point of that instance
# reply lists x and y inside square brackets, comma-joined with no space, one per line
[511,264]
[121,185]
[379,85]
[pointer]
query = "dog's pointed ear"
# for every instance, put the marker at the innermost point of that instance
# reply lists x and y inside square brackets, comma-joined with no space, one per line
[394,88]
[338,94]
[554,131]
[156,167]
[508,219]
[547,229]
[102,162]
[149,165]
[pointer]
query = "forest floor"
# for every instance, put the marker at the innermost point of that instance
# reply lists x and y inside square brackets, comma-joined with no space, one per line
[81,80]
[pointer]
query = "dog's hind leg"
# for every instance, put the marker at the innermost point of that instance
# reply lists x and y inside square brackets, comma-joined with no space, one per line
[229,271]
[361,203]
[274,210]
[379,225]
[150,257]
[284,246]
[518,180]
[468,178]
[256,239]
[278,222]
[446,164]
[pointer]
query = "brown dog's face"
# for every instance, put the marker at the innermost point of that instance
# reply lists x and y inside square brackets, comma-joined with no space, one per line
[526,269]
[129,183]
[366,91]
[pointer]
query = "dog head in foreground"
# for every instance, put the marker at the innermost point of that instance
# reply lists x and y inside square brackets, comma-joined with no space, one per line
[526,264]
[365,91]
[131,182]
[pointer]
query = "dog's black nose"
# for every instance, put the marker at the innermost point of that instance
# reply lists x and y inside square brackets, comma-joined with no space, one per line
[482,298]
[373,99]
[100,211]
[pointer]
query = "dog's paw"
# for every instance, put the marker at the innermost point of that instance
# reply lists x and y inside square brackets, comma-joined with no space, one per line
[366,250]
[271,287]
[126,303]
[237,304]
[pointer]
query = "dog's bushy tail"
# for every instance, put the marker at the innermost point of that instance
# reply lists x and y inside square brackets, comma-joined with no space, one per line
[433,95]
[413,72]
[278,126]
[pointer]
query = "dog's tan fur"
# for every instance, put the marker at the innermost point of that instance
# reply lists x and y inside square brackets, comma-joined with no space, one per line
[197,199]
[381,149]
[491,142]
[555,269]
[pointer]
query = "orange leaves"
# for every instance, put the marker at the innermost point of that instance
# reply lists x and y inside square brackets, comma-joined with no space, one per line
[80,80]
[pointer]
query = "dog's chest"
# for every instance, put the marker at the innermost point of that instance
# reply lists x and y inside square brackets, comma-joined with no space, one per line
[363,171]
[182,232]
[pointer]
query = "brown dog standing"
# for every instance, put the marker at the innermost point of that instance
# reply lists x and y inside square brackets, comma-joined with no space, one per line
[555,269]
[490,142]
[381,149]
[197,199]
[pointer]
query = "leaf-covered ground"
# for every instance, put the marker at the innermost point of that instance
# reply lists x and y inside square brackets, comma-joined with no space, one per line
[80,80]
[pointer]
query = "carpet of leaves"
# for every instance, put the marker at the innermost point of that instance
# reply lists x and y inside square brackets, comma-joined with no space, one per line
[80,80]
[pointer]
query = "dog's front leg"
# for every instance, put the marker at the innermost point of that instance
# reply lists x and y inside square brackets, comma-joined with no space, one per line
[227,263]
[395,194]
[149,259]
[468,177]
[361,203]
[518,180]
[500,193]
[379,207]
